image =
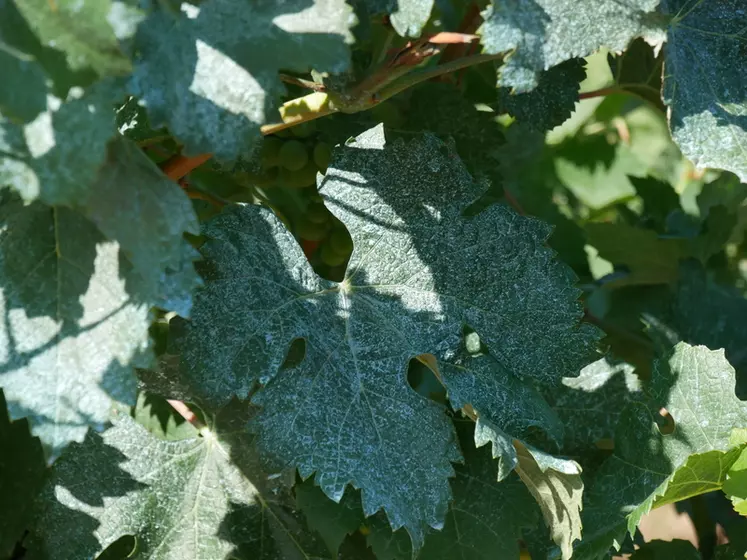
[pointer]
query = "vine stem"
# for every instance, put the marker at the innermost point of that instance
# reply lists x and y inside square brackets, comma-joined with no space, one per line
[319,104]
[178,166]
[603,92]
[185,412]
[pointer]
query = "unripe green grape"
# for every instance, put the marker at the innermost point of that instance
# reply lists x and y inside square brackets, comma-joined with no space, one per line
[322,156]
[269,153]
[293,155]
[306,229]
[304,130]
[318,214]
[341,242]
[299,179]
[330,257]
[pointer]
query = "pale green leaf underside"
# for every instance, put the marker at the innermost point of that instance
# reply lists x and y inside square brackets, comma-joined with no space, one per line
[201,74]
[540,34]
[696,386]
[419,271]
[201,498]
[557,486]
[705,82]
[75,321]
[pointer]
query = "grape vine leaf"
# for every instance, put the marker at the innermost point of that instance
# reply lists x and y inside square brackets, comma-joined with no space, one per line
[349,399]
[411,16]
[735,486]
[485,519]
[551,102]
[659,198]
[649,258]
[696,386]
[198,71]
[331,520]
[22,472]
[481,523]
[74,321]
[131,189]
[589,405]
[704,312]
[506,408]
[528,172]
[88,32]
[540,34]
[22,90]
[157,416]
[35,157]
[705,82]
[201,497]
[639,70]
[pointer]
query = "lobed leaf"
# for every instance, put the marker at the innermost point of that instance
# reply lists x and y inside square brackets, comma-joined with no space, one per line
[419,270]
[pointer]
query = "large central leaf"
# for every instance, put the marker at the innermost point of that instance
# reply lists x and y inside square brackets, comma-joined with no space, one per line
[418,273]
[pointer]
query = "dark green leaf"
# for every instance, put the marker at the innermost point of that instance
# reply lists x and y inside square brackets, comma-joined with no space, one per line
[551,102]
[22,471]
[696,387]
[639,70]
[649,258]
[666,550]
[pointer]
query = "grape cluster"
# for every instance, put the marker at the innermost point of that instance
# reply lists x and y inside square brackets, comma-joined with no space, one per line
[290,162]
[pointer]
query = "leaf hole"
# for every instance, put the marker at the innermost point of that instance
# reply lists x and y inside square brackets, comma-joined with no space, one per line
[424,382]
[296,354]
[665,422]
